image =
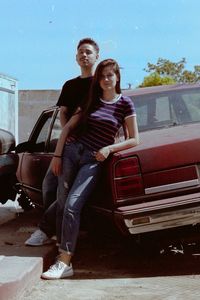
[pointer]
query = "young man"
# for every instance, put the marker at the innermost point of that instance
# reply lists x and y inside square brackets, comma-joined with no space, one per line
[73,93]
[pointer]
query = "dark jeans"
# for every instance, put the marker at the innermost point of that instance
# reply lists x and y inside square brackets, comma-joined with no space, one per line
[49,188]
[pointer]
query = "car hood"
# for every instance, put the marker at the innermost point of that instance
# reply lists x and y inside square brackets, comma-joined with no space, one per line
[167,148]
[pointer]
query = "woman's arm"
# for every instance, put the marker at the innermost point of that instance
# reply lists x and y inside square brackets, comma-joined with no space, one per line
[131,141]
[67,129]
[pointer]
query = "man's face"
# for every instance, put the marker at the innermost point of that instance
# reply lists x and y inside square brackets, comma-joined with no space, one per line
[86,56]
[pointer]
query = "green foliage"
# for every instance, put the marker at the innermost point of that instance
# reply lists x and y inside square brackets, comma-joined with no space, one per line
[168,72]
[155,79]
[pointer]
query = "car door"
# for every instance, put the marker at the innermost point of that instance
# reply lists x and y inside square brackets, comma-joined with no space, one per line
[34,162]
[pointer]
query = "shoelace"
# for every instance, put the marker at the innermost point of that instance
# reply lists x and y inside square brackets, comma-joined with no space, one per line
[57,266]
[36,233]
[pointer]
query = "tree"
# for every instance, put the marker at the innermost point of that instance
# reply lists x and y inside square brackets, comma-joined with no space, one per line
[155,79]
[165,70]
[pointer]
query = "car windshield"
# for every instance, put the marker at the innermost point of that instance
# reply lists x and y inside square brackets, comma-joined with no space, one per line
[166,109]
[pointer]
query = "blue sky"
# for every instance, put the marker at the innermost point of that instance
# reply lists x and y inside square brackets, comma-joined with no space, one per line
[39,37]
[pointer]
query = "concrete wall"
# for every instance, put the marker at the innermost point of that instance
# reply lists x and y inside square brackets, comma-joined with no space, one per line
[31,104]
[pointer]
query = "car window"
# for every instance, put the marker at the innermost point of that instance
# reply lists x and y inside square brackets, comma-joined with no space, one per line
[55,133]
[40,134]
[162,112]
[153,111]
[167,108]
[192,101]
[44,132]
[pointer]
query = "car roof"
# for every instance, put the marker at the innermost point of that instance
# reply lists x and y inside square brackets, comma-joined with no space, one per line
[158,89]
[147,90]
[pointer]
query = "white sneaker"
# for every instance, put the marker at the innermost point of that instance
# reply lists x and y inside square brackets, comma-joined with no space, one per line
[38,238]
[58,270]
[54,238]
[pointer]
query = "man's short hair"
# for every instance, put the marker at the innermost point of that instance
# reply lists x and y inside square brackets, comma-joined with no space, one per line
[88,41]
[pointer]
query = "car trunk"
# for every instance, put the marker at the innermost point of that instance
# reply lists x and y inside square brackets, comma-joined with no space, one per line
[171,160]
[158,168]
[167,189]
[169,148]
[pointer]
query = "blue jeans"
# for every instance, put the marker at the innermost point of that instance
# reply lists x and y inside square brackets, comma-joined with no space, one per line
[80,173]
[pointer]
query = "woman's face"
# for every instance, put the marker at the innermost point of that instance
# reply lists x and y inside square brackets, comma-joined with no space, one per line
[108,79]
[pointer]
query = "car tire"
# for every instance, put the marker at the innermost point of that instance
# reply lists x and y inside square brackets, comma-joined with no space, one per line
[25,202]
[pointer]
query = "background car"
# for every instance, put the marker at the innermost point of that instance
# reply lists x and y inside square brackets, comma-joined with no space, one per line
[8,166]
[150,187]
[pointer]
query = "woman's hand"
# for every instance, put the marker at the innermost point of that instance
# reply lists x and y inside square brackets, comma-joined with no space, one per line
[102,154]
[56,165]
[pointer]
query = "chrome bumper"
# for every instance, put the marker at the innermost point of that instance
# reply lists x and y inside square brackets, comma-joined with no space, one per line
[161,214]
[160,221]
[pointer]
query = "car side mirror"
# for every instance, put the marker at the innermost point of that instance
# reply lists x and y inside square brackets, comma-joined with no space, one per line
[7,141]
[29,146]
[23,147]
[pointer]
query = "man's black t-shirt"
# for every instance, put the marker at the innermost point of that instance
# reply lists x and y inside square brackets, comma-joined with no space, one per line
[73,93]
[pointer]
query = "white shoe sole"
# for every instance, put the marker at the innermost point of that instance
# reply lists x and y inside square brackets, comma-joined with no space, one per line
[38,245]
[69,274]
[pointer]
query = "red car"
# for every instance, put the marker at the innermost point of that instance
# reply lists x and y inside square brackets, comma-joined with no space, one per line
[150,187]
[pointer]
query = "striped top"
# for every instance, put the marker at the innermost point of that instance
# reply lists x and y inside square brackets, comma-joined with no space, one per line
[105,121]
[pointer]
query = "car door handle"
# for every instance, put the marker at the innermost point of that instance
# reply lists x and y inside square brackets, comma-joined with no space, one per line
[36,159]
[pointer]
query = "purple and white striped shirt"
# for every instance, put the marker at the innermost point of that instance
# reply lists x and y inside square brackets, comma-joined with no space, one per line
[105,121]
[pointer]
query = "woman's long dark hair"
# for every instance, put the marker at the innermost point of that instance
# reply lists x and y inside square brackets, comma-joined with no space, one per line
[96,92]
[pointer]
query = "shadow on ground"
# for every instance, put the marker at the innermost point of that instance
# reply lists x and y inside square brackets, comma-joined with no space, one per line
[108,255]
[177,252]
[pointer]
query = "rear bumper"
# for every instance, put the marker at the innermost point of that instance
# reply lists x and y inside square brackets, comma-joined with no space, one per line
[159,215]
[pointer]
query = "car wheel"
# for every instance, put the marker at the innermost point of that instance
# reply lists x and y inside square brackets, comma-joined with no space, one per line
[25,202]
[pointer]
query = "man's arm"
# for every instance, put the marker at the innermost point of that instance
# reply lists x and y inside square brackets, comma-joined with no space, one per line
[63,115]
[56,162]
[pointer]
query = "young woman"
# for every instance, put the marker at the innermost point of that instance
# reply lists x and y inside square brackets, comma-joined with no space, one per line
[78,164]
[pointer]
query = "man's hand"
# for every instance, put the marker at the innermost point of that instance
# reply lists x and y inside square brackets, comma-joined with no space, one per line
[56,165]
[70,139]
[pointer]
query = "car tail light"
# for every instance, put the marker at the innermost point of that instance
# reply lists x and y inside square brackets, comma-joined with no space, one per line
[127,167]
[127,178]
